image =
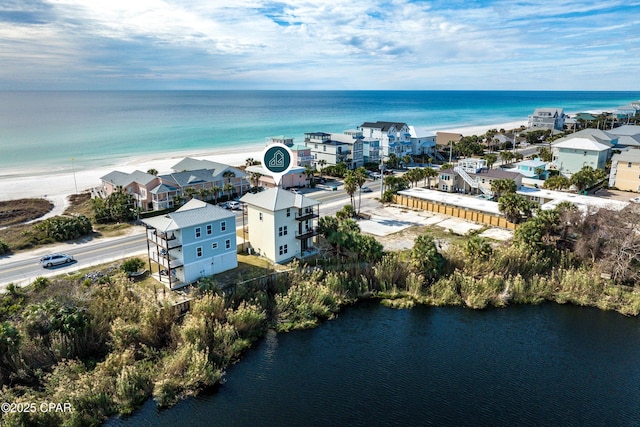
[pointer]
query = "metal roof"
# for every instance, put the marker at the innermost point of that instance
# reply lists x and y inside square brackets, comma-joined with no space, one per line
[276,199]
[194,212]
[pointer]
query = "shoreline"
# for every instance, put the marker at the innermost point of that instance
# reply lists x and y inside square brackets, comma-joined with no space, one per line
[54,186]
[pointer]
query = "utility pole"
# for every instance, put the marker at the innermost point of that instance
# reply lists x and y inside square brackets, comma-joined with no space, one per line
[73,169]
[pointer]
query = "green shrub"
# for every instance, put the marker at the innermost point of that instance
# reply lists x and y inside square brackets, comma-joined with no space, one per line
[132,265]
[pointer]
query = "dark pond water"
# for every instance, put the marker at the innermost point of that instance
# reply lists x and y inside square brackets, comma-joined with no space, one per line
[546,365]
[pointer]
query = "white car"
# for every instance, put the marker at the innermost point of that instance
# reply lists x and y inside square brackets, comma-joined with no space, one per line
[635,199]
[55,259]
[234,206]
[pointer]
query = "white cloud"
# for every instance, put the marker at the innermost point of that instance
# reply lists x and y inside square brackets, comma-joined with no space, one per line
[394,44]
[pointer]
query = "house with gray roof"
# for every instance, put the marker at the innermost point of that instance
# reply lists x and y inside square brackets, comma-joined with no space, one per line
[472,176]
[195,241]
[281,224]
[547,118]
[138,184]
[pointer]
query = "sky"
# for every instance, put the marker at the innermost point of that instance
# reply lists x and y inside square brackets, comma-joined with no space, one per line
[318,45]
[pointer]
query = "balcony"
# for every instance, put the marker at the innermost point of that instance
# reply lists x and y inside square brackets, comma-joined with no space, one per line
[306,215]
[305,234]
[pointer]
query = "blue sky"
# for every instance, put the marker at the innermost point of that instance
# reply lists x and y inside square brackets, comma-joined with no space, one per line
[323,44]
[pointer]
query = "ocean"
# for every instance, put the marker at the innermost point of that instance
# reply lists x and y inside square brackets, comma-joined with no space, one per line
[57,131]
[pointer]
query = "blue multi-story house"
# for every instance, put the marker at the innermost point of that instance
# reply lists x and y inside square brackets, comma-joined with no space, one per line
[195,241]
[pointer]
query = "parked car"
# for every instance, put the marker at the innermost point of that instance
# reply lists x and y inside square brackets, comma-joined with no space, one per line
[234,206]
[366,189]
[375,175]
[55,259]
[635,199]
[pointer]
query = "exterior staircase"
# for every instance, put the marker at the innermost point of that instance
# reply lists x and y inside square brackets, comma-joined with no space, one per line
[473,182]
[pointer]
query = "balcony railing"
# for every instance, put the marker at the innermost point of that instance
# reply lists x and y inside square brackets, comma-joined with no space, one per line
[305,234]
[306,215]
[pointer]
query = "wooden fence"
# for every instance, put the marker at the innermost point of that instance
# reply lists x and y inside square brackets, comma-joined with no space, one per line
[455,211]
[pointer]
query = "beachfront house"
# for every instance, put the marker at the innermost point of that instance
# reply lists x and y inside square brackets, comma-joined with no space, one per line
[547,118]
[394,137]
[335,148]
[625,171]
[195,241]
[281,224]
[423,141]
[588,147]
[471,176]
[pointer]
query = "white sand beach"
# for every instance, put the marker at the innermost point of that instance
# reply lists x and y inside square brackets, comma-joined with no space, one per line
[56,187]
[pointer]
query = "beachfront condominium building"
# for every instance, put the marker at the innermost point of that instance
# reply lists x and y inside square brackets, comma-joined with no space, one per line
[625,171]
[140,185]
[195,241]
[190,178]
[335,148]
[547,118]
[281,224]
[588,147]
[394,137]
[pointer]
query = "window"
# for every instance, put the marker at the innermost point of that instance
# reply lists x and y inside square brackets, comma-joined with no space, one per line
[209,229]
[283,249]
[199,251]
[260,216]
[227,244]
[223,226]
[198,232]
[282,231]
[324,148]
[288,212]
[214,245]
[315,146]
[629,164]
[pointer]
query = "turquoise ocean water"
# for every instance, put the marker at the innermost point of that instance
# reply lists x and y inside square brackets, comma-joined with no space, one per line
[42,131]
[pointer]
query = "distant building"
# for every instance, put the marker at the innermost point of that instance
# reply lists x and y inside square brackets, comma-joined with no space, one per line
[628,136]
[335,148]
[423,141]
[140,185]
[394,137]
[282,225]
[547,118]
[195,241]
[625,171]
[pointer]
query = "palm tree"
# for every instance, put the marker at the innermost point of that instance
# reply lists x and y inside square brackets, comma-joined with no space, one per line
[501,187]
[250,161]
[406,160]
[360,177]
[308,171]
[254,177]
[506,156]
[545,154]
[204,193]
[216,190]
[428,174]
[153,172]
[321,163]
[491,159]
[190,192]
[514,207]
[350,185]
[229,187]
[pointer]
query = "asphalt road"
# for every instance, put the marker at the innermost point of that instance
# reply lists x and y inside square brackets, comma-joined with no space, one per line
[24,267]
